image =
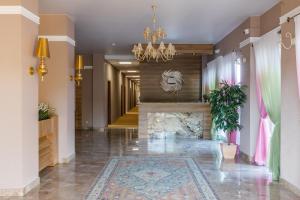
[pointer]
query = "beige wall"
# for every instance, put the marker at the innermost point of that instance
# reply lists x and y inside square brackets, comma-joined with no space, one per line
[258,26]
[94,93]
[57,89]
[57,25]
[30,5]
[270,19]
[249,113]
[99,92]
[114,76]
[290,109]
[87,100]
[290,106]
[87,93]
[18,103]
[288,5]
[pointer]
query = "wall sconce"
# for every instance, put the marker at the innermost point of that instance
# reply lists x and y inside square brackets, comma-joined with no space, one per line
[246,31]
[78,67]
[42,52]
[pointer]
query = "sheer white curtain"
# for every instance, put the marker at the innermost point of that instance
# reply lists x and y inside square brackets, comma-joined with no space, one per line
[297,31]
[226,69]
[268,73]
[211,74]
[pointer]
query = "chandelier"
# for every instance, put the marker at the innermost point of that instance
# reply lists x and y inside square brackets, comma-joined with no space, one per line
[152,37]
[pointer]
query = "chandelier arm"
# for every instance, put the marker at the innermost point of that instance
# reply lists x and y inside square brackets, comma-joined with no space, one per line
[165,57]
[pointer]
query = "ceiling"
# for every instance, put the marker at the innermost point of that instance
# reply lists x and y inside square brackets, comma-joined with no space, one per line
[99,23]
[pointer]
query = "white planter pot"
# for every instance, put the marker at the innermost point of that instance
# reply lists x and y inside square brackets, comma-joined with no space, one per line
[228,151]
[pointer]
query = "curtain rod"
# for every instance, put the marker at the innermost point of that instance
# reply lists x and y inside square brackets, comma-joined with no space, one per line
[290,18]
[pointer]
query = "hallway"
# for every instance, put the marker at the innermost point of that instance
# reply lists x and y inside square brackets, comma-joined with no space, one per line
[228,180]
[128,120]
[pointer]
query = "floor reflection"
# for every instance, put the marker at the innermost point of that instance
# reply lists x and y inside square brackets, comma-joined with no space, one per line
[230,180]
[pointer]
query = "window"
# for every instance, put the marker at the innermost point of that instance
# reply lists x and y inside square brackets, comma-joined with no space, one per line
[237,72]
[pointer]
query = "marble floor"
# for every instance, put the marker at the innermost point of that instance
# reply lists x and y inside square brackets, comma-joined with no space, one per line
[230,180]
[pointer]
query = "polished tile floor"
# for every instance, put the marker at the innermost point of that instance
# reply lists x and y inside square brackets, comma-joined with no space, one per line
[230,180]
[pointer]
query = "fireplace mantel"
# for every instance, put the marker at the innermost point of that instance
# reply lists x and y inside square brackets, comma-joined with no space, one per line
[145,108]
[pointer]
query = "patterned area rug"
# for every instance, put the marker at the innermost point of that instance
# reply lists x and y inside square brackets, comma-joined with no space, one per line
[151,178]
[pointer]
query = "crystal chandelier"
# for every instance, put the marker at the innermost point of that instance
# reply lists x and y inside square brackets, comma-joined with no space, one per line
[152,37]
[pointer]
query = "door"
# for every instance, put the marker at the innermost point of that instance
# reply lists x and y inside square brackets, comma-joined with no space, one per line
[108,102]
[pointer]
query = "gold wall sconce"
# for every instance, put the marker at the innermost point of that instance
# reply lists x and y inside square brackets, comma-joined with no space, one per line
[42,52]
[78,67]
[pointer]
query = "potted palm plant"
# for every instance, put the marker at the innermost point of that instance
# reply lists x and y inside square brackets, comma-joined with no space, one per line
[225,103]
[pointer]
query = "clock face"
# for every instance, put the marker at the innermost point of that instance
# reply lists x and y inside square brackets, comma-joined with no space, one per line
[171,81]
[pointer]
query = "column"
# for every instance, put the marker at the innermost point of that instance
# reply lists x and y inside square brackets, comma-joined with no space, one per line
[19,168]
[57,89]
[99,92]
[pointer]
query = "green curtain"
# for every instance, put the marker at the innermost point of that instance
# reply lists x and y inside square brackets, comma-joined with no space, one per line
[268,69]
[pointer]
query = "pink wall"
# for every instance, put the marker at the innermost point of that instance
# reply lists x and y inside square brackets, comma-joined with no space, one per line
[57,89]
[18,104]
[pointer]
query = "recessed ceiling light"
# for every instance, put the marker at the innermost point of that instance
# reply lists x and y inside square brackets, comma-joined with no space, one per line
[131,71]
[114,44]
[125,63]
[137,76]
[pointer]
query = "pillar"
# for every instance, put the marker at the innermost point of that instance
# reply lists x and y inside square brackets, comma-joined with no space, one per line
[19,168]
[57,89]
[99,92]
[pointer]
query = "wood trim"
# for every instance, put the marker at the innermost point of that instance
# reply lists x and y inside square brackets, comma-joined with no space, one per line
[248,41]
[284,18]
[48,143]
[204,49]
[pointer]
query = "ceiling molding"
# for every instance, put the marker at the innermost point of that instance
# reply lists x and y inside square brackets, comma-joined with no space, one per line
[59,38]
[248,41]
[19,10]
[290,14]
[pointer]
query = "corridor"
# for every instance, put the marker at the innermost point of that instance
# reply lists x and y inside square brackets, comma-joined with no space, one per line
[228,180]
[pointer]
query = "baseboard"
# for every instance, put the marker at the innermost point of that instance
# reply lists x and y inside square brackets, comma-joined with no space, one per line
[245,157]
[290,186]
[67,159]
[9,192]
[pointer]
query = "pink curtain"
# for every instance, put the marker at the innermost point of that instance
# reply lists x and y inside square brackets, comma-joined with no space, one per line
[261,150]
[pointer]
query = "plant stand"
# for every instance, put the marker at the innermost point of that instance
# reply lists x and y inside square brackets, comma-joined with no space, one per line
[48,142]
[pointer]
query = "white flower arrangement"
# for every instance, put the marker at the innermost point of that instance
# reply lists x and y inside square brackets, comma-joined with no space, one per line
[45,111]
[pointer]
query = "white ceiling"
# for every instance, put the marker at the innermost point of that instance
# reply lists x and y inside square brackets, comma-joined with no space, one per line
[99,23]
